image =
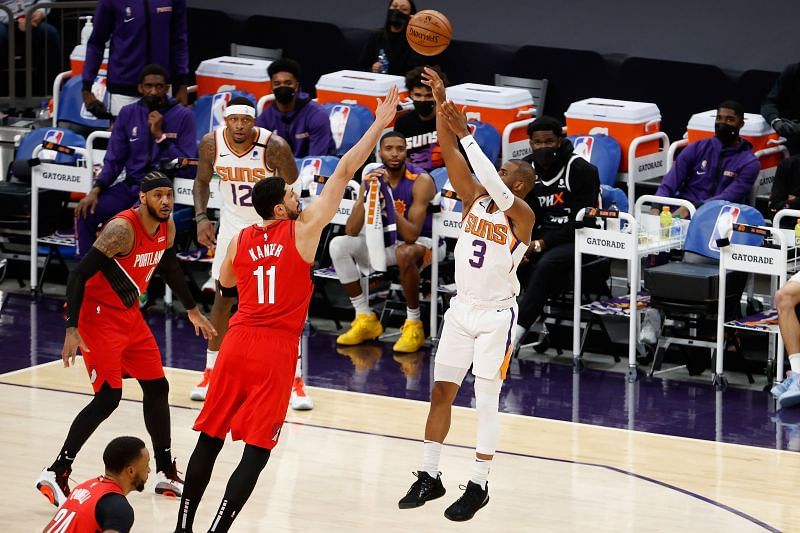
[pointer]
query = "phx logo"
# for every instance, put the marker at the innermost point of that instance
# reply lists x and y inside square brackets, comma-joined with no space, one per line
[338,116]
[218,104]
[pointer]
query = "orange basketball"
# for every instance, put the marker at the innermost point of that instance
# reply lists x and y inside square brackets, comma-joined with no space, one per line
[429,32]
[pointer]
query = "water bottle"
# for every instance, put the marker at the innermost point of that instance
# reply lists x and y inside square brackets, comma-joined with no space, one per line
[383,59]
[87,29]
[666,222]
[612,224]
[676,228]
[797,233]
[43,114]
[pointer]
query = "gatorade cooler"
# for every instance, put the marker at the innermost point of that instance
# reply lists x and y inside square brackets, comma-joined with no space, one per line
[233,73]
[498,106]
[620,119]
[755,129]
[356,87]
[78,57]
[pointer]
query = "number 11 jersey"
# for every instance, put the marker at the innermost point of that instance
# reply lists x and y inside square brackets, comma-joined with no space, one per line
[238,173]
[273,281]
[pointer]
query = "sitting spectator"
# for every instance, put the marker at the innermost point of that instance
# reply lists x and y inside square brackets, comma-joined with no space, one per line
[785,192]
[412,190]
[786,300]
[781,107]
[419,126]
[565,184]
[720,168]
[391,40]
[151,130]
[140,34]
[46,43]
[294,116]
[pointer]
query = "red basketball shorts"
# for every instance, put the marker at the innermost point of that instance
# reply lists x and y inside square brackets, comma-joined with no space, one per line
[251,386]
[120,345]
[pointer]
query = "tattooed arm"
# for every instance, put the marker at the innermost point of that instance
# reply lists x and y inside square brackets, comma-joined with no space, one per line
[280,157]
[115,239]
[202,190]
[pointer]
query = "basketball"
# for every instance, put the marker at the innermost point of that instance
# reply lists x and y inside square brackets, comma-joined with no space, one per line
[429,32]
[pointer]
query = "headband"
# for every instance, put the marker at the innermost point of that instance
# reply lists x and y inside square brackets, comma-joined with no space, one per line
[240,109]
[149,185]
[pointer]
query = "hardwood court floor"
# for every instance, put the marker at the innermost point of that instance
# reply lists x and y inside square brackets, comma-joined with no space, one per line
[343,466]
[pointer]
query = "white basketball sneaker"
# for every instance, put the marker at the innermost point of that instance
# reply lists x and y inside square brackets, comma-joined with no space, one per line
[300,400]
[199,391]
[169,483]
[53,486]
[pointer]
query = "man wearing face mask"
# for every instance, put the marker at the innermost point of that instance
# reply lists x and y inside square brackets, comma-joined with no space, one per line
[152,129]
[100,504]
[566,183]
[722,167]
[419,126]
[304,124]
[391,39]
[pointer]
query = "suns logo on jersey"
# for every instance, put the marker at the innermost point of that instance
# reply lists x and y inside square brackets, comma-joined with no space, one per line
[486,230]
[400,207]
[240,173]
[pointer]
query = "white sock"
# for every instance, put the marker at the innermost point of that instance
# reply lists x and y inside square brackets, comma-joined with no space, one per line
[480,472]
[519,332]
[794,361]
[360,304]
[413,314]
[298,370]
[430,457]
[211,358]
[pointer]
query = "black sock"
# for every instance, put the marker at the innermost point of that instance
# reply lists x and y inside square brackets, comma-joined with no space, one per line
[240,486]
[198,474]
[86,422]
[155,406]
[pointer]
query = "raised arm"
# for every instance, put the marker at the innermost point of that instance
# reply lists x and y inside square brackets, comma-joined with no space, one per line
[202,190]
[322,211]
[457,168]
[280,157]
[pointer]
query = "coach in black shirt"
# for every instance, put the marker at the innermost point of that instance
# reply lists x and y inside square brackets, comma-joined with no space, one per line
[565,183]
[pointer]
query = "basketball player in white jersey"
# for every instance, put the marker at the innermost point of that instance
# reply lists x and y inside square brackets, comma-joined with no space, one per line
[495,233]
[239,154]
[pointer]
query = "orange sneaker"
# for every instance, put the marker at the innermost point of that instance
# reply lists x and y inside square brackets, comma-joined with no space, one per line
[198,393]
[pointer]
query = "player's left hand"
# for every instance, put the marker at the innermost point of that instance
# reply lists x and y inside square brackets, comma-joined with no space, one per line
[72,341]
[455,119]
[201,324]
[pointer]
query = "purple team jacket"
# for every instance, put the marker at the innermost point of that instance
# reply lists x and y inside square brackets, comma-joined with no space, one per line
[706,171]
[307,129]
[139,37]
[133,148]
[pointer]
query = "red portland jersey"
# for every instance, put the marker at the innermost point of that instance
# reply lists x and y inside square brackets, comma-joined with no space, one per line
[273,281]
[121,283]
[77,513]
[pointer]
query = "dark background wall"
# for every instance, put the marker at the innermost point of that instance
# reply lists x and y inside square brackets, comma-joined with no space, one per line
[735,35]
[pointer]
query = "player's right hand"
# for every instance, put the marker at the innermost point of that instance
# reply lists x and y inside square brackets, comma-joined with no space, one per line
[205,234]
[87,205]
[432,79]
[72,341]
[387,108]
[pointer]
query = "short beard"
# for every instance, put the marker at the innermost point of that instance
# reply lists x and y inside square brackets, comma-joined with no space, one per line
[155,215]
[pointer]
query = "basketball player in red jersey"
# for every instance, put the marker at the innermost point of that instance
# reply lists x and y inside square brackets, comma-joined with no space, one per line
[104,321]
[99,504]
[269,264]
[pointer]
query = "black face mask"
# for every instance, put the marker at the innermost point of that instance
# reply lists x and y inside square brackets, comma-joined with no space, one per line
[395,17]
[424,107]
[152,102]
[725,132]
[284,95]
[545,157]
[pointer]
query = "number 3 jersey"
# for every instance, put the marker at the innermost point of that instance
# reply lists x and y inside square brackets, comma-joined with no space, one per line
[273,281]
[237,173]
[487,255]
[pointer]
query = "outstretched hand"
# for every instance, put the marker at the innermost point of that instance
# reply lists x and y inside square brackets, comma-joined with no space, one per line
[387,107]
[432,79]
[454,118]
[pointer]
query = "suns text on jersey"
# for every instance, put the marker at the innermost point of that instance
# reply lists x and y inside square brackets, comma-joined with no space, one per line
[240,173]
[486,230]
[148,259]
[265,250]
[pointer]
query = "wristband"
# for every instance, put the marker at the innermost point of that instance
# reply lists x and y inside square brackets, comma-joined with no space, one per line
[198,218]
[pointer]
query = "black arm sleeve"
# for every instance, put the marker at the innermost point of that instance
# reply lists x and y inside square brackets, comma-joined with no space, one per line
[114,512]
[170,270]
[91,264]
[771,106]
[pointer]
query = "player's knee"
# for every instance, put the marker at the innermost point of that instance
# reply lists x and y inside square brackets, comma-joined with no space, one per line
[487,393]
[788,297]
[106,401]
[407,256]
[441,394]
[155,389]
[338,247]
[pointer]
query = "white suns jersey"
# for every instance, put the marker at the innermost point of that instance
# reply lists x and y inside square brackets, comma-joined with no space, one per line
[237,174]
[487,255]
